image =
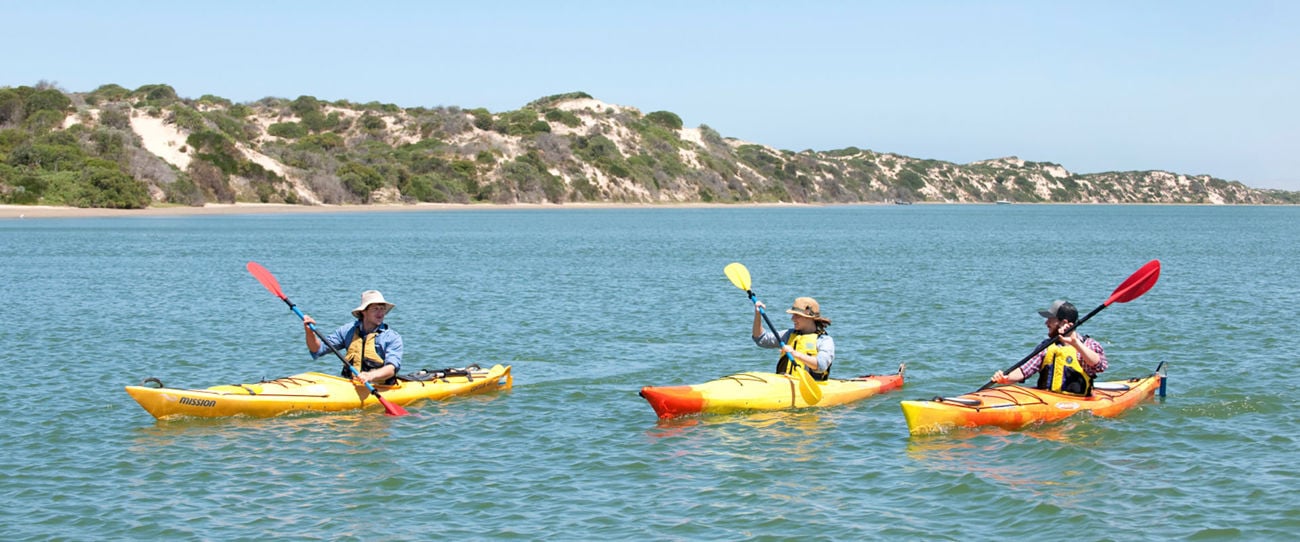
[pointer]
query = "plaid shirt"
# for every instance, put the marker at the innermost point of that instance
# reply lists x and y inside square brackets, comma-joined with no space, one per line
[1035,363]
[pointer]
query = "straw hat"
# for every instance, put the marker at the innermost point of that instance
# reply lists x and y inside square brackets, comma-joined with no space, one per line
[807,306]
[368,298]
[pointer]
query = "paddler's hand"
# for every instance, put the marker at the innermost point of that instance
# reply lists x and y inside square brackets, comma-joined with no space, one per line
[1072,339]
[759,306]
[1065,333]
[999,378]
[313,343]
[789,350]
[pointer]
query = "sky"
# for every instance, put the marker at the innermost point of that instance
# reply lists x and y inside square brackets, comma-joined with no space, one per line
[1192,87]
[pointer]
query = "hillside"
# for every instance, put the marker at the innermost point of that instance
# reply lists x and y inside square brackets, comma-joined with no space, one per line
[115,147]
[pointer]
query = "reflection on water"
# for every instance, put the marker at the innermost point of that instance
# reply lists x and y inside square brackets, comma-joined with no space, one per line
[797,433]
[305,430]
[1051,460]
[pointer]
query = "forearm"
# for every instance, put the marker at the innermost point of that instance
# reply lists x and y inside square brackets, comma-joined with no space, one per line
[313,342]
[1093,356]
[379,375]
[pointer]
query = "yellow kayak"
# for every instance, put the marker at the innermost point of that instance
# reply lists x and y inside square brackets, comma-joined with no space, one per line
[312,392]
[761,391]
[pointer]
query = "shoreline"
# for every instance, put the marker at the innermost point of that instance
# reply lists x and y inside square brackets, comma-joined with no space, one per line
[8,211]
[211,209]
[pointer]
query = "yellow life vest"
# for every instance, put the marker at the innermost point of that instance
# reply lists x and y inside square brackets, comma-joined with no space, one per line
[362,355]
[806,344]
[1062,371]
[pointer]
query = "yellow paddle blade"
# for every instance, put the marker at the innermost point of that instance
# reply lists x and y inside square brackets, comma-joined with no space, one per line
[808,388]
[738,275]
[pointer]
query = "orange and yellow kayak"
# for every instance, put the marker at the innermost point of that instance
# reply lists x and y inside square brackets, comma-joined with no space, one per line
[1015,406]
[311,392]
[761,391]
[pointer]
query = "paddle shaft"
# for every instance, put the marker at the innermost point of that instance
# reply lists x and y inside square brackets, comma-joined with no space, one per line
[771,327]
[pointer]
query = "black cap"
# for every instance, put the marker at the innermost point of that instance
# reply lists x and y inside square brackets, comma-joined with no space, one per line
[1061,310]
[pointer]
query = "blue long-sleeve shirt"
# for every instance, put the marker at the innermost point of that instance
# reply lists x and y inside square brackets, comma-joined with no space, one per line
[388,343]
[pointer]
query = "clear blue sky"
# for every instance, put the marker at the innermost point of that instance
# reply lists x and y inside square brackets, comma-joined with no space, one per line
[1189,86]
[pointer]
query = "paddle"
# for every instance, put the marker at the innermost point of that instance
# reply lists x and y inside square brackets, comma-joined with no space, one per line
[808,388]
[1132,288]
[268,281]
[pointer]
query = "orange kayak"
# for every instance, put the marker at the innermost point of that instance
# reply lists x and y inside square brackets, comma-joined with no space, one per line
[761,391]
[1015,406]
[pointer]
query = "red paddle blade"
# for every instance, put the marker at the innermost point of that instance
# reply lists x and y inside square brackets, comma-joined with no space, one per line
[392,409]
[266,278]
[1137,284]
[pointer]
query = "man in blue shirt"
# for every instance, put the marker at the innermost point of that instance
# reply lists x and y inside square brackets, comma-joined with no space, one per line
[373,350]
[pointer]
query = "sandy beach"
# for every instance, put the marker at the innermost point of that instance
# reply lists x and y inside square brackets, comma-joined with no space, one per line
[37,211]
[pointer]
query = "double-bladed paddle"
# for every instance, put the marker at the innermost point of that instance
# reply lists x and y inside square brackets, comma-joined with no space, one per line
[1132,288]
[808,388]
[268,281]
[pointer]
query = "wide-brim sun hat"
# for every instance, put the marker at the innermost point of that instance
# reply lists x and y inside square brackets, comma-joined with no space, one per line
[368,298]
[808,307]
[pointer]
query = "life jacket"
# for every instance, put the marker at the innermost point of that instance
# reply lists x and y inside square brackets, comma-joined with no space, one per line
[1062,371]
[806,344]
[362,355]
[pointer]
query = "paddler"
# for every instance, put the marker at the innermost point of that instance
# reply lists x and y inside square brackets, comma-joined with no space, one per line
[807,341]
[373,349]
[1069,364]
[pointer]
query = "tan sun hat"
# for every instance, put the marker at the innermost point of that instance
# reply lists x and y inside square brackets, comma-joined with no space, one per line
[368,298]
[807,306]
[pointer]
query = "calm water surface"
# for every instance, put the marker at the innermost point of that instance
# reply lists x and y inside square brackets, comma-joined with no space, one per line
[590,305]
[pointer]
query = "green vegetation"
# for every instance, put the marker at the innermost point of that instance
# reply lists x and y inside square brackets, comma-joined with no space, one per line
[43,164]
[79,149]
[523,122]
[563,117]
[665,119]
[287,130]
[550,101]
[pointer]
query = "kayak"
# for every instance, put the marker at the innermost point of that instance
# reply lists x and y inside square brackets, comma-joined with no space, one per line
[313,392]
[1016,406]
[761,391]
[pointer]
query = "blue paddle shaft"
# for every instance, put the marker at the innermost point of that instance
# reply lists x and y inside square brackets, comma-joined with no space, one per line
[346,365]
[770,327]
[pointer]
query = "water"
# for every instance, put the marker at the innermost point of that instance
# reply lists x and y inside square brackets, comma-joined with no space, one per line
[590,305]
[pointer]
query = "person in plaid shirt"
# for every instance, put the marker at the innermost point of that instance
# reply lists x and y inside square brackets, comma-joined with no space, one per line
[1081,358]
